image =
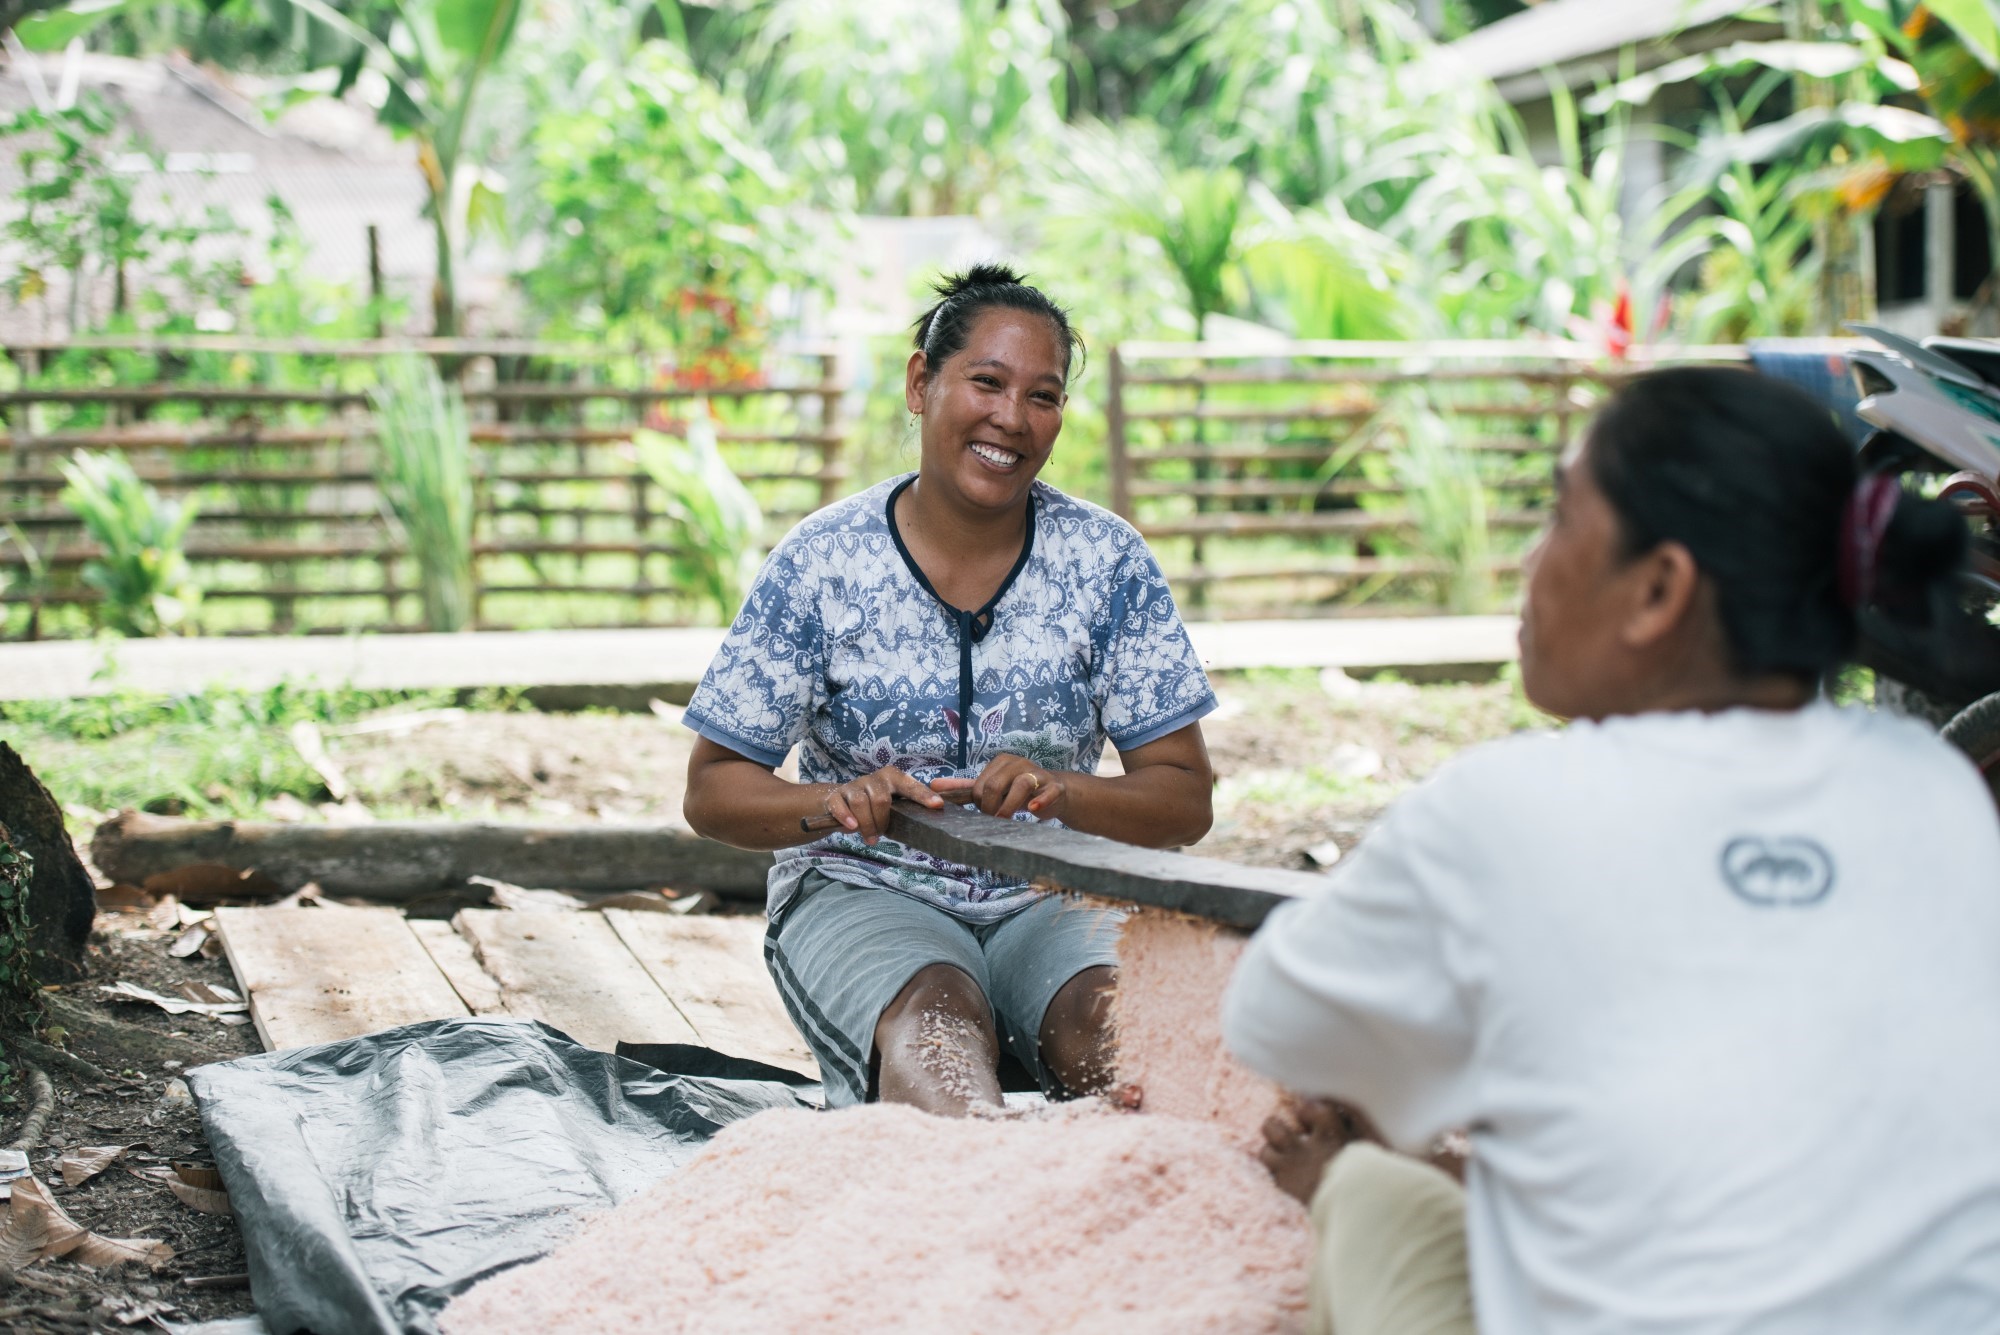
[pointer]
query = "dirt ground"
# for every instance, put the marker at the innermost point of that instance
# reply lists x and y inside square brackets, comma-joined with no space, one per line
[1300,758]
[1304,762]
[141,1106]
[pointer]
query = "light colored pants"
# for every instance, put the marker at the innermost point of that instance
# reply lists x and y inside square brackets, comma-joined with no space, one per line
[1389,1249]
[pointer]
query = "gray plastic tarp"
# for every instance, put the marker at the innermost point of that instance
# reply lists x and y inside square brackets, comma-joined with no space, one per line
[378,1177]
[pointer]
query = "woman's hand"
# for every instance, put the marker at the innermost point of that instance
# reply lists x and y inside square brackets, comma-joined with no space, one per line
[1008,784]
[862,805]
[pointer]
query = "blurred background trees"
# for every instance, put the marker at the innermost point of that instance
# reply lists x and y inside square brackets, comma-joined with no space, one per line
[662,173]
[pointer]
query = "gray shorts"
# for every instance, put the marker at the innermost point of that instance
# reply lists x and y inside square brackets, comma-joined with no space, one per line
[841,953]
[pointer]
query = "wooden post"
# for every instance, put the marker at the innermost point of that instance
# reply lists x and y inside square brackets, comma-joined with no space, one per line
[375,277]
[832,469]
[1121,462]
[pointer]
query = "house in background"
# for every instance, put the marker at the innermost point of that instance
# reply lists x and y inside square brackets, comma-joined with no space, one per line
[1928,247]
[341,176]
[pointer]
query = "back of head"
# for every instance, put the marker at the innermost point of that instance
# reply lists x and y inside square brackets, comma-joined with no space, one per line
[942,331]
[1752,476]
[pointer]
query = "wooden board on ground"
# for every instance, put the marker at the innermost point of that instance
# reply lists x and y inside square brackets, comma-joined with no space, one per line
[318,975]
[713,969]
[571,971]
[453,955]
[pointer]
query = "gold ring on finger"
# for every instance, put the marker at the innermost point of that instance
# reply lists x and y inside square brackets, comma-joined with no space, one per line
[1034,783]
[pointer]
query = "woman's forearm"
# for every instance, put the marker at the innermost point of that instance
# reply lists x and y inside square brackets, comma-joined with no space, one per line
[736,801]
[1160,806]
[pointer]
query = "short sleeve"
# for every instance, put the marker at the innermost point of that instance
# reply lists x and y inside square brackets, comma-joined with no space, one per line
[761,689]
[1148,681]
[1348,995]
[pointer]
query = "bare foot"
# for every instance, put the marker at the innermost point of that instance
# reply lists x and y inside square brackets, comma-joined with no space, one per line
[1301,1141]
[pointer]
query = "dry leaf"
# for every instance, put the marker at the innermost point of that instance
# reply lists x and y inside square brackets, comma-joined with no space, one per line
[190,942]
[36,1227]
[80,1165]
[203,1175]
[123,898]
[201,1198]
[133,1312]
[102,1253]
[171,1005]
[311,746]
[209,993]
[165,915]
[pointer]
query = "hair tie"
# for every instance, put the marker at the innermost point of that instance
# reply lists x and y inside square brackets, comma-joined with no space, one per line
[1863,522]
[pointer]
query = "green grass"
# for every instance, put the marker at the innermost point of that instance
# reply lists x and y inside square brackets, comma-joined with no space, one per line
[214,755]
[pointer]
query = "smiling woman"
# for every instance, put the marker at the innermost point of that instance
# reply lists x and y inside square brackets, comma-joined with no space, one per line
[969,634]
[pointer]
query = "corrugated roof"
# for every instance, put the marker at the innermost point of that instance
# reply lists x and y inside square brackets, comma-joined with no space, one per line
[1559,32]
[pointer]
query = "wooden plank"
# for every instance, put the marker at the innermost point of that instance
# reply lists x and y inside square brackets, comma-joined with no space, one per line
[571,970]
[319,975]
[1060,859]
[453,955]
[713,969]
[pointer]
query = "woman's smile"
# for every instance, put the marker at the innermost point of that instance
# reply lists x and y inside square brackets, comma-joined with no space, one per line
[995,456]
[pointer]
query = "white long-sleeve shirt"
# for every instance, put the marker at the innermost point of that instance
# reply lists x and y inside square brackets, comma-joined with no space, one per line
[1718,997]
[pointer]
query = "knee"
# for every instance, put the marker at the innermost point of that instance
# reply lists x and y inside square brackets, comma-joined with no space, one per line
[937,990]
[1083,1004]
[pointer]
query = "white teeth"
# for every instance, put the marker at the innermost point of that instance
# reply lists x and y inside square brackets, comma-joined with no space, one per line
[998,458]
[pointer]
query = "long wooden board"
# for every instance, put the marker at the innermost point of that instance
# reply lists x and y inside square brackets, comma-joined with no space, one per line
[318,975]
[571,971]
[713,969]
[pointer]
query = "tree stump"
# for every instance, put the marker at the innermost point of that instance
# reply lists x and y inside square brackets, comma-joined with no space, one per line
[61,899]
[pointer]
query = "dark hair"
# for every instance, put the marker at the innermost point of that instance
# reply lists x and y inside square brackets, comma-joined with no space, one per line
[1752,476]
[943,329]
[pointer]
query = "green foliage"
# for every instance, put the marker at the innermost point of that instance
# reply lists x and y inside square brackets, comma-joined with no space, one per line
[19,996]
[210,755]
[433,57]
[426,479]
[906,106]
[143,572]
[1446,497]
[78,215]
[717,518]
[667,224]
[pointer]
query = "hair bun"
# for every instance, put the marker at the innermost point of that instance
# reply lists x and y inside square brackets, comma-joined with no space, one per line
[979,275]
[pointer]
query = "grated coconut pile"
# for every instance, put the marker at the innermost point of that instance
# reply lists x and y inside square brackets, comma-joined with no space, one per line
[1168,1013]
[882,1218]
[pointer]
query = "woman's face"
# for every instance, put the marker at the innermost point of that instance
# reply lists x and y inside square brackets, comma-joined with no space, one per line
[1575,658]
[991,412]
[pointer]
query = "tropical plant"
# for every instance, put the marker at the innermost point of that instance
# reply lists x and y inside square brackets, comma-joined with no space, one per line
[719,521]
[667,224]
[1446,498]
[143,570]
[432,57]
[927,108]
[77,214]
[426,481]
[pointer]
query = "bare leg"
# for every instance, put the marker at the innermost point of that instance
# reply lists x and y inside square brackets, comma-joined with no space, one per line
[937,1045]
[1078,1045]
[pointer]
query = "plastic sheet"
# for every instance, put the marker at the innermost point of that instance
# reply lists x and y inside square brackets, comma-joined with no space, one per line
[376,1178]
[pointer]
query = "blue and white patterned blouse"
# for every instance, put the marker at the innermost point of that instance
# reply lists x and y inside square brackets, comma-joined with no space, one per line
[841,646]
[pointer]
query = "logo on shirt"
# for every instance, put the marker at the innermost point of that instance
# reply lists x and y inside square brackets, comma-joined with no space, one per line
[1786,872]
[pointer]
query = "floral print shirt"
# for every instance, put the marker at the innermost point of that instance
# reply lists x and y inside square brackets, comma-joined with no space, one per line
[841,649]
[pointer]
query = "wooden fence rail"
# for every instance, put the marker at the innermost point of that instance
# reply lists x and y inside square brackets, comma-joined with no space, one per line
[1279,480]
[569,529]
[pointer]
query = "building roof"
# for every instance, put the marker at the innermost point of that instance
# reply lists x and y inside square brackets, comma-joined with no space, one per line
[334,167]
[1582,39]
